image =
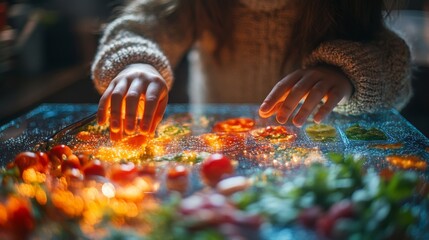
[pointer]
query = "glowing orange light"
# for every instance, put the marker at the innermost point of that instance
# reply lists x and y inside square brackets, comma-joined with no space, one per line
[234,125]
[274,134]
[32,176]
[387,146]
[407,162]
[223,141]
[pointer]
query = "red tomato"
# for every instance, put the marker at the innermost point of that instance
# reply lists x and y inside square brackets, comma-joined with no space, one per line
[72,161]
[342,209]
[72,174]
[43,158]
[308,217]
[94,167]
[60,153]
[20,219]
[325,225]
[147,169]
[83,158]
[123,172]
[177,171]
[26,160]
[215,167]
[177,178]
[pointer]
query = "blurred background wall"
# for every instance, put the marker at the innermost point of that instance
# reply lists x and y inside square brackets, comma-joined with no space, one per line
[46,47]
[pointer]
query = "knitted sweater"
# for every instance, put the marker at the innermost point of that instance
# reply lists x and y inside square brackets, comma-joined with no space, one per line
[379,70]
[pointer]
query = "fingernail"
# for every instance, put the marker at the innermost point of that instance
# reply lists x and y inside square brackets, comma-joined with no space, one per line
[115,124]
[264,107]
[130,127]
[145,128]
[298,123]
[281,120]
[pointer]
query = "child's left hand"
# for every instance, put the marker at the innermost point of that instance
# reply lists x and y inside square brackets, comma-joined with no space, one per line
[314,85]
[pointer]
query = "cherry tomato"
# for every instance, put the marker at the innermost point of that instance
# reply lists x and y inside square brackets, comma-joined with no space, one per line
[94,167]
[147,169]
[84,158]
[73,174]
[308,217]
[43,158]
[21,220]
[177,178]
[59,153]
[123,172]
[177,171]
[25,160]
[215,167]
[72,161]
[325,225]
[342,209]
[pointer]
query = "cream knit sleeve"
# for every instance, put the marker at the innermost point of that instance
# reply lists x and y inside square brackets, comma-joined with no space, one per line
[136,38]
[380,71]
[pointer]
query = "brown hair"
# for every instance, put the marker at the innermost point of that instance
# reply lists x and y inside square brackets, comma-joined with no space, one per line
[321,20]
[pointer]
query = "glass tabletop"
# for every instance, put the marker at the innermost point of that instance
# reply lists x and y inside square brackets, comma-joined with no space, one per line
[36,126]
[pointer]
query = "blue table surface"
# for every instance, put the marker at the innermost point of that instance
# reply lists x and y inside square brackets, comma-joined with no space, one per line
[34,127]
[26,131]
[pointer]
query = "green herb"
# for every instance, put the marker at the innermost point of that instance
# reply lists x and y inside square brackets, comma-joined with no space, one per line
[357,132]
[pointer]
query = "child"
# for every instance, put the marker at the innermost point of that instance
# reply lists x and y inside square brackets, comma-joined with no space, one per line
[273,52]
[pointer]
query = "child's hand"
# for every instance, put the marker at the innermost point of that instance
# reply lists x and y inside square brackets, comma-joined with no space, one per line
[313,84]
[138,83]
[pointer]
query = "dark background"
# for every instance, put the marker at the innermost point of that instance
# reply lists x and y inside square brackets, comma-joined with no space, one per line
[46,47]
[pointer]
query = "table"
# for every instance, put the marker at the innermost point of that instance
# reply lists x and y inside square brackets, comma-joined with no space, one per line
[36,126]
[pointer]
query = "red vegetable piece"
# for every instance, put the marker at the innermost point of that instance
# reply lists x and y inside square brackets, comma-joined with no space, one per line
[342,209]
[308,217]
[20,219]
[147,169]
[25,160]
[59,153]
[72,161]
[123,172]
[177,171]
[177,178]
[325,225]
[94,167]
[43,158]
[215,167]
[83,159]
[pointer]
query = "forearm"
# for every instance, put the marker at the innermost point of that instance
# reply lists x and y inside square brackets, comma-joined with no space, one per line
[379,71]
[135,38]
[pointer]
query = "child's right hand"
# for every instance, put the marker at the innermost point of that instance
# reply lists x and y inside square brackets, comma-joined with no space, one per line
[139,92]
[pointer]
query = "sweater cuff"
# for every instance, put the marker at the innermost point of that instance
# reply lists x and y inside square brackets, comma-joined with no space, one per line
[360,63]
[116,56]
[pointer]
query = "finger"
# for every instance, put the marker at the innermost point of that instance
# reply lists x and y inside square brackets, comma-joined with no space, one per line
[334,96]
[159,114]
[152,98]
[313,99]
[104,105]
[132,99]
[279,93]
[297,93]
[116,100]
